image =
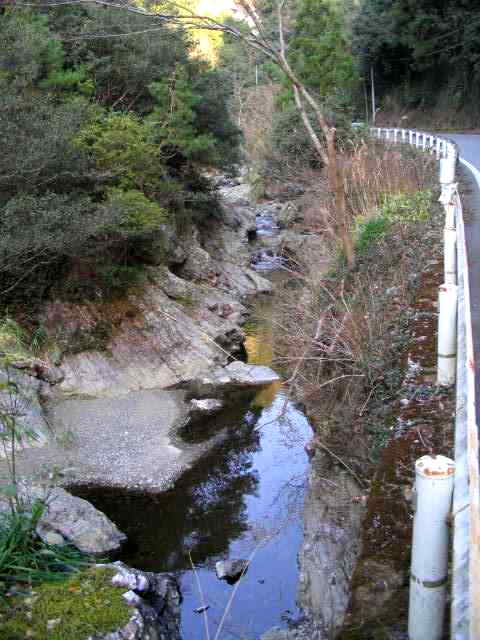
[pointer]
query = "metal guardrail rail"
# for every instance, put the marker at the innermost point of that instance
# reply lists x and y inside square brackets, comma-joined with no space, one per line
[465,558]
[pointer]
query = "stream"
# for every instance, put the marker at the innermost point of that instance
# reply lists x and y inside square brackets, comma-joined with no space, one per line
[244,500]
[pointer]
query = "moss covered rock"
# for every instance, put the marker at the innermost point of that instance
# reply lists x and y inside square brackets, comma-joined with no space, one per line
[106,602]
[84,605]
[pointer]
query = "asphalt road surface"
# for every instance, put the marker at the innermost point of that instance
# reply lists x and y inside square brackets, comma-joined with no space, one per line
[469,147]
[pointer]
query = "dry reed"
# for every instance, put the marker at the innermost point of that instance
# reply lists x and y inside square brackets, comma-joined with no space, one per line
[337,327]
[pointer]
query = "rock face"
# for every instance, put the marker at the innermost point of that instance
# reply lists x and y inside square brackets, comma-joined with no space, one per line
[161,337]
[156,601]
[121,365]
[332,523]
[25,403]
[68,519]
[331,547]
[184,320]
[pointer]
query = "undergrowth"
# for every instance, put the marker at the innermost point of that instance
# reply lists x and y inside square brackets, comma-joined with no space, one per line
[343,335]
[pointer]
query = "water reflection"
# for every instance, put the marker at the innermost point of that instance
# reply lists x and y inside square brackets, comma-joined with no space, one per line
[267,594]
[245,497]
[204,511]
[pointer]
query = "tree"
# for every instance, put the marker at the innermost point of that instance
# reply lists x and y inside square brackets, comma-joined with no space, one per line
[320,52]
[428,46]
[103,141]
[258,37]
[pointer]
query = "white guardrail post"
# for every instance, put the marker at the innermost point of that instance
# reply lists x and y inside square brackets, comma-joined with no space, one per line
[435,474]
[434,477]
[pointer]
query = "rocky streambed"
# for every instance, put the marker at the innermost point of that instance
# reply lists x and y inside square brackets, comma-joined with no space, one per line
[197,460]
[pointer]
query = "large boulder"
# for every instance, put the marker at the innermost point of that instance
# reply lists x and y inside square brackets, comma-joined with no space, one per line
[72,520]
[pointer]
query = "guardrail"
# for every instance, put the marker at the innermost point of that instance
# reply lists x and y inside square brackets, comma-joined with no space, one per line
[442,147]
[455,343]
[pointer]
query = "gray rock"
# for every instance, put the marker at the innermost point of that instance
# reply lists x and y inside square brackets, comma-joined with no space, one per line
[78,523]
[231,570]
[40,369]
[287,215]
[235,377]
[51,537]
[155,600]
[237,195]
[250,375]
[26,405]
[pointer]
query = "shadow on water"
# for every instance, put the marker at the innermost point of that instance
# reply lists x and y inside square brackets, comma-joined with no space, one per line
[245,497]
[200,515]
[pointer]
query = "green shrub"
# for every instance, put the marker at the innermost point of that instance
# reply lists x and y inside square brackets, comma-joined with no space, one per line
[407,207]
[396,208]
[370,231]
[138,214]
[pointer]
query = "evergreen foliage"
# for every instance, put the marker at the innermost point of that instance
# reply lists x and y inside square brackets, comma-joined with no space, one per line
[428,49]
[104,140]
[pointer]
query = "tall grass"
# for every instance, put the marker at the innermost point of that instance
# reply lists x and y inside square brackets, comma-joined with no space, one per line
[373,171]
[340,330]
[24,558]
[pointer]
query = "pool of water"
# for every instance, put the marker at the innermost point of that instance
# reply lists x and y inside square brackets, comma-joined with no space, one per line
[243,500]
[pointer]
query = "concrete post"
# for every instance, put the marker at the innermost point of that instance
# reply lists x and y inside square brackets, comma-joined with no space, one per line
[447,334]
[410,137]
[404,135]
[450,255]
[447,170]
[450,213]
[434,476]
[395,134]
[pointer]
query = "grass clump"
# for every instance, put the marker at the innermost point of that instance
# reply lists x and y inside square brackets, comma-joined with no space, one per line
[370,232]
[86,604]
[25,558]
[396,209]
[12,340]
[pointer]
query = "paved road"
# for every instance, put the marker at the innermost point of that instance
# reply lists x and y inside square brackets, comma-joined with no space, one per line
[469,147]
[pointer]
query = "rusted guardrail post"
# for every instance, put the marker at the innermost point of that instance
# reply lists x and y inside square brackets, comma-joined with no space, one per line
[434,477]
